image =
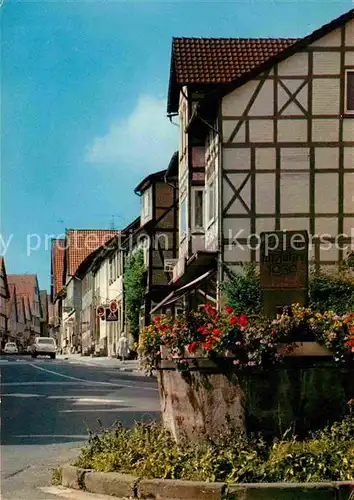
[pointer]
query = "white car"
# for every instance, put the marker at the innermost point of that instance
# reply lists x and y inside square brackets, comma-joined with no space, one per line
[10,348]
[44,346]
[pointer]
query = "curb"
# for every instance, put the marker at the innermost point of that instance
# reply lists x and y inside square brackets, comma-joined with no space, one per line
[129,486]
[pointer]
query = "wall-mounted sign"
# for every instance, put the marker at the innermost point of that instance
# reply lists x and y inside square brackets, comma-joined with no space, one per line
[283,269]
[113,306]
[111,315]
[100,311]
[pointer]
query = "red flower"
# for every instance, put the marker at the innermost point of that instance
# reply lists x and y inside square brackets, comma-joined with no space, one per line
[209,343]
[217,331]
[209,309]
[229,309]
[157,319]
[192,347]
[234,320]
[243,321]
[203,330]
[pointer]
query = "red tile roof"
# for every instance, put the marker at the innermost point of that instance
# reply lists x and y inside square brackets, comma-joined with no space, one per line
[82,242]
[58,256]
[212,61]
[26,287]
[222,60]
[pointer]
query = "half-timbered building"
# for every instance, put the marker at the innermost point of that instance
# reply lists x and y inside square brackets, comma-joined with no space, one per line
[266,143]
[157,234]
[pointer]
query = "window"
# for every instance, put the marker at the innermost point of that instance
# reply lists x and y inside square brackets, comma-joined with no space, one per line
[119,264]
[183,222]
[111,270]
[146,205]
[211,201]
[349,91]
[198,208]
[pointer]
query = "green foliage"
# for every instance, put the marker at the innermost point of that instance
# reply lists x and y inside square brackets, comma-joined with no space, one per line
[328,456]
[328,291]
[57,476]
[333,292]
[242,291]
[149,451]
[134,290]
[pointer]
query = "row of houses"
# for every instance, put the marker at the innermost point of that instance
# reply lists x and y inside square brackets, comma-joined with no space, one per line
[24,308]
[266,143]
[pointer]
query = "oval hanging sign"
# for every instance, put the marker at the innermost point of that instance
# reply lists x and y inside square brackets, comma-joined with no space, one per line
[113,306]
[100,311]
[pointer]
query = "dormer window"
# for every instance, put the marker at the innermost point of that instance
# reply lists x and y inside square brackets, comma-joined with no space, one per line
[146,209]
[349,91]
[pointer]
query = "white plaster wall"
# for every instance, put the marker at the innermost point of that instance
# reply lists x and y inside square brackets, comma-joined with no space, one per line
[326,63]
[234,159]
[294,66]
[349,34]
[331,40]
[326,96]
[326,193]
[294,192]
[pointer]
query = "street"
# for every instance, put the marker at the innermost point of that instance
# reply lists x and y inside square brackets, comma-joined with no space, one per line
[48,407]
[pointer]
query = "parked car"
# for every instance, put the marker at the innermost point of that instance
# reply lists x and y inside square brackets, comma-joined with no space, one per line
[10,348]
[44,346]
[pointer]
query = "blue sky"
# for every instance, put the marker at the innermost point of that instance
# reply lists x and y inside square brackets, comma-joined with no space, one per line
[83,109]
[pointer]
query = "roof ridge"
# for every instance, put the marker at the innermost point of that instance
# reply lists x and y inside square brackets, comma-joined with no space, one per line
[236,38]
[87,230]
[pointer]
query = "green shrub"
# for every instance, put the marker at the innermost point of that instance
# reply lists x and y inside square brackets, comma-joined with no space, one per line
[332,292]
[134,290]
[57,476]
[328,291]
[328,456]
[149,451]
[242,291]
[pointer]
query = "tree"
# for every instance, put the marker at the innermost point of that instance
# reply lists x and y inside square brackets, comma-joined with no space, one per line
[134,290]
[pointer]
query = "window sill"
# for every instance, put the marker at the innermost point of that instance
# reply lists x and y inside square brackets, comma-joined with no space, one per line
[348,114]
[198,230]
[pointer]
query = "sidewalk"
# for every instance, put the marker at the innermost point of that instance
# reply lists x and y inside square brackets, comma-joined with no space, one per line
[131,366]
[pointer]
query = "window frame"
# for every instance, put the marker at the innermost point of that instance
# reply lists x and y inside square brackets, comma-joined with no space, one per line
[195,190]
[146,209]
[211,187]
[346,73]
[183,200]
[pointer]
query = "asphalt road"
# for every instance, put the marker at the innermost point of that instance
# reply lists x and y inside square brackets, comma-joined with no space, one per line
[47,408]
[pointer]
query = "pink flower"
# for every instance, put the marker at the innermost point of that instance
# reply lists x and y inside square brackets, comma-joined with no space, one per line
[236,361]
[251,363]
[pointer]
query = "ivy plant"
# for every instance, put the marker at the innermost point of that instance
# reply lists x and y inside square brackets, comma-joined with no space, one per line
[134,290]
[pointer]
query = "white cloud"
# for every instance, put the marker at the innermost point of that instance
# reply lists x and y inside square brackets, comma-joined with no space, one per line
[143,141]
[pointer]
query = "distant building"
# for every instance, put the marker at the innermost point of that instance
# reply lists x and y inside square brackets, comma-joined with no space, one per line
[26,286]
[79,244]
[4,297]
